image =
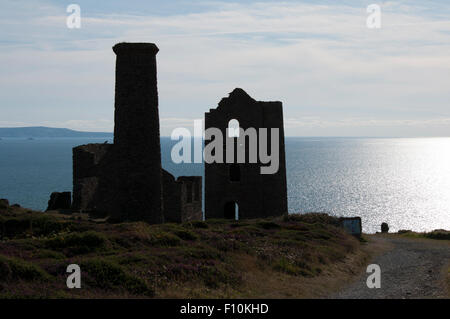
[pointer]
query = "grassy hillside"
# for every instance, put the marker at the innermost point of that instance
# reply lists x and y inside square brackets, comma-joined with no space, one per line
[281,257]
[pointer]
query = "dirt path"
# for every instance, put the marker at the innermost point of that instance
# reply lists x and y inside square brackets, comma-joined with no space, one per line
[410,268]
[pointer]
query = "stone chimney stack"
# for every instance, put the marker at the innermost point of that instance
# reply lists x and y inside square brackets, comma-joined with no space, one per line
[136,134]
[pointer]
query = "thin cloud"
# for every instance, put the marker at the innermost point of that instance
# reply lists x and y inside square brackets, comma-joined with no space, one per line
[320,60]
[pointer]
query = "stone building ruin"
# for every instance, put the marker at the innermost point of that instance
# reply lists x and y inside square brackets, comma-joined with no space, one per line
[125,180]
[239,190]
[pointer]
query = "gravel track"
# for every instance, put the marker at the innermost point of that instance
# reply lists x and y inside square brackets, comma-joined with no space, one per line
[410,268]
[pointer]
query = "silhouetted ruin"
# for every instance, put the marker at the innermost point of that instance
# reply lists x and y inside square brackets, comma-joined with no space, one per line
[125,180]
[239,188]
[182,198]
[61,201]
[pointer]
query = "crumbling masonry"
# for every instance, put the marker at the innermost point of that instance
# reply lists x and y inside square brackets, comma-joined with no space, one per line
[125,180]
[240,190]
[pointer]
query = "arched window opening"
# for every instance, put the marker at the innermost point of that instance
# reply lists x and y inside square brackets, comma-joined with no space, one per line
[233,128]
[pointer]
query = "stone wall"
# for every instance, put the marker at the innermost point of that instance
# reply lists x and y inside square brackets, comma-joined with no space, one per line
[171,198]
[182,198]
[93,178]
[191,198]
[256,195]
[60,201]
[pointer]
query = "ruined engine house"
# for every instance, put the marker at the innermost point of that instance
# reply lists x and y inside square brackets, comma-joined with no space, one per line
[238,189]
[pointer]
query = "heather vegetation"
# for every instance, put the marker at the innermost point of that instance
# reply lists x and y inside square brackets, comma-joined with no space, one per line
[216,258]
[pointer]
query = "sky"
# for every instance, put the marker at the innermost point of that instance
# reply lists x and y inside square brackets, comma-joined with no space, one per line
[334,75]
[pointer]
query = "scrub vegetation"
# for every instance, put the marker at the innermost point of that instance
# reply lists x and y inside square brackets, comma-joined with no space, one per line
[274,257]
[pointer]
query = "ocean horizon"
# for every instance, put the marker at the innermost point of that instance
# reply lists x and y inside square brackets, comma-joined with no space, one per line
[402,181]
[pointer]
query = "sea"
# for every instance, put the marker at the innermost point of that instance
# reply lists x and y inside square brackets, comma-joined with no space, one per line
[402,181]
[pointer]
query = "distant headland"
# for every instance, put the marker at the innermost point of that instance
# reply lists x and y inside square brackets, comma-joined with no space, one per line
[42,132]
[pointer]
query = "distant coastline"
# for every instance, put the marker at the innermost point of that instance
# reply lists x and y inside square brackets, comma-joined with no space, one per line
[47,132]
[53,132]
